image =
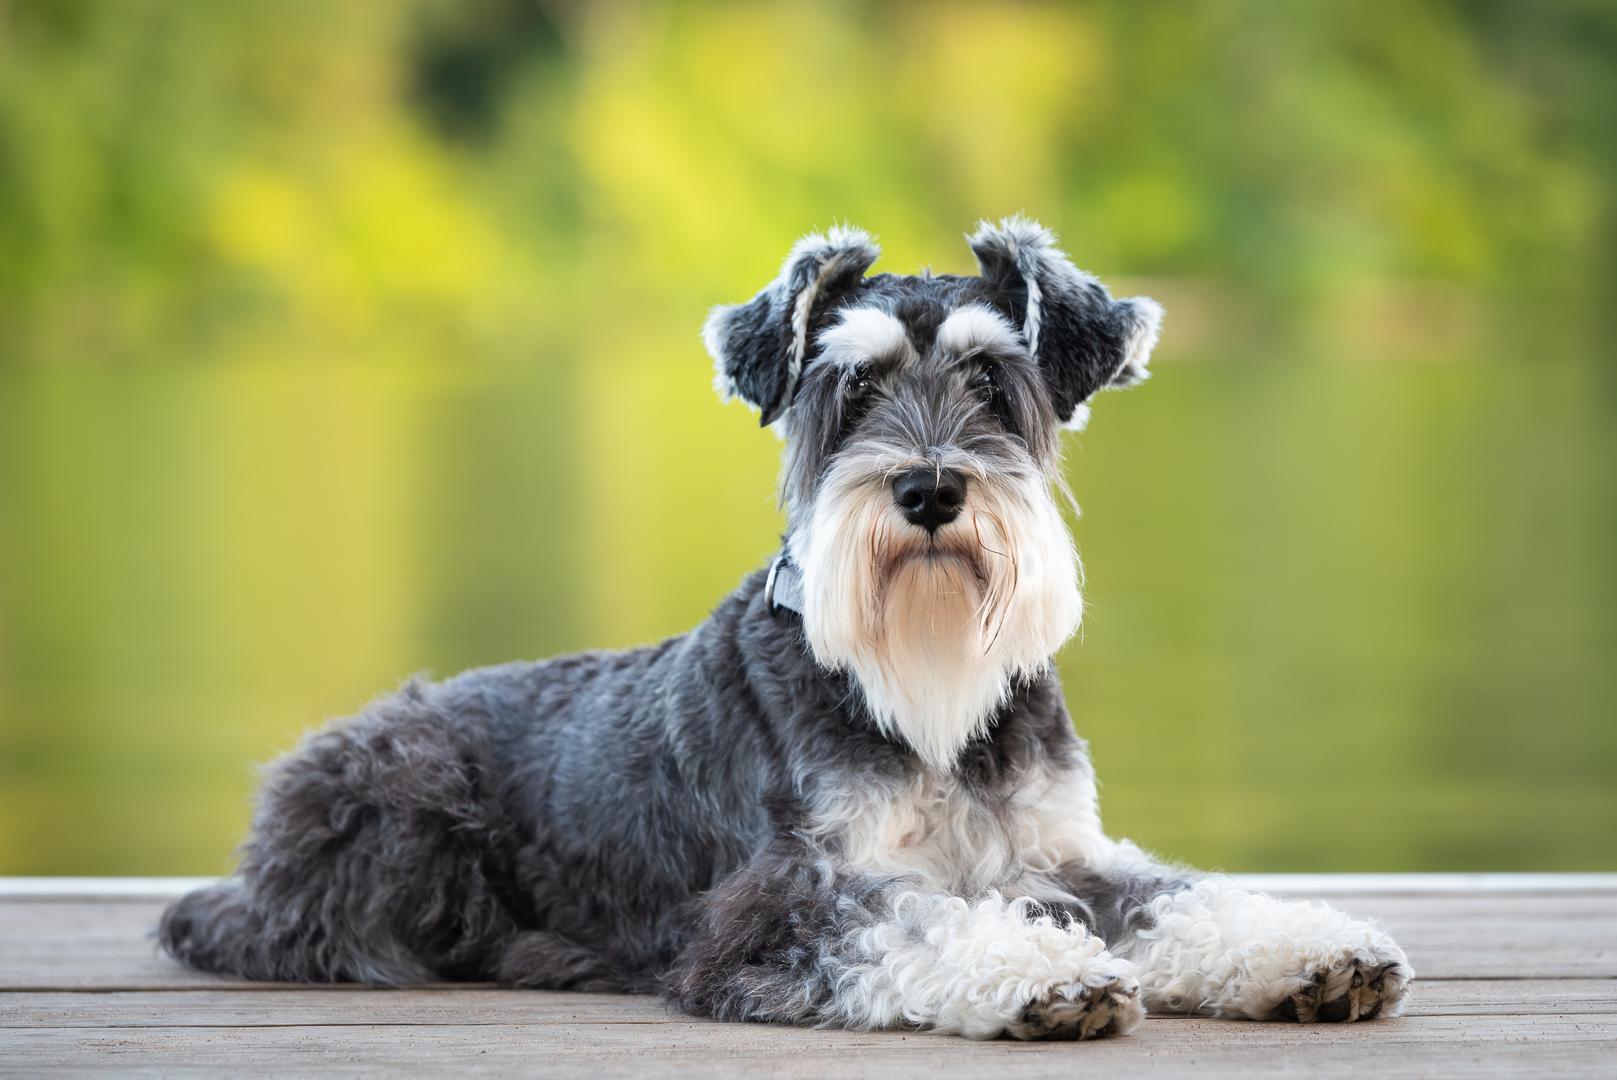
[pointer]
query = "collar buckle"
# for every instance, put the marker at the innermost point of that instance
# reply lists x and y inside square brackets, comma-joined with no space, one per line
[784,586]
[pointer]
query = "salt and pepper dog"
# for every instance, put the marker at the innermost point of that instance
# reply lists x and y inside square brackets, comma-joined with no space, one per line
[853,795]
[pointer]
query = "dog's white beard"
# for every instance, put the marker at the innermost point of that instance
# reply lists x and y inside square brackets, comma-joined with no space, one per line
[935,632]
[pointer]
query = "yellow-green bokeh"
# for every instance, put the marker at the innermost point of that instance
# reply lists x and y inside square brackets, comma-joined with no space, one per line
[343,341]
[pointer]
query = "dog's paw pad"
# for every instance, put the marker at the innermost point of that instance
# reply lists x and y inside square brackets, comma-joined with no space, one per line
[1358,987]
[1110,1006]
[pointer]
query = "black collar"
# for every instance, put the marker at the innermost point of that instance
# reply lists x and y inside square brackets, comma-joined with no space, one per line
[784,586]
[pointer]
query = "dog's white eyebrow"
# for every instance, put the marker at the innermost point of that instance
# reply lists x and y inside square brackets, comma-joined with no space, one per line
[865,333]
[974,326]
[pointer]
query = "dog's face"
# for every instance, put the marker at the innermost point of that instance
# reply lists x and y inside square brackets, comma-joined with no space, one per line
[922,418]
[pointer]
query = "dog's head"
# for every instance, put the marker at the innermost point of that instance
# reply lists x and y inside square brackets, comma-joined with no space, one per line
[922,418]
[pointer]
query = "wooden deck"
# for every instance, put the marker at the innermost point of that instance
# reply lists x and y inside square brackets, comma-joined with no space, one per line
[1518,977]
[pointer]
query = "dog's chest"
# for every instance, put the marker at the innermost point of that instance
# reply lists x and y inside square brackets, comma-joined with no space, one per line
[955,838]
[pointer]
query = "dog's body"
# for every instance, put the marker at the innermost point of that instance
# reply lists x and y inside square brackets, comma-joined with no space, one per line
[853,794]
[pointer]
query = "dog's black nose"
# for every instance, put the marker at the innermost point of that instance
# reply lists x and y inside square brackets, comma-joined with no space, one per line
[929,496]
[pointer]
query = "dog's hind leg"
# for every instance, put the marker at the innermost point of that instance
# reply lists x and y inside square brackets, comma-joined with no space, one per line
[373,858]
[543,960]
[793,938]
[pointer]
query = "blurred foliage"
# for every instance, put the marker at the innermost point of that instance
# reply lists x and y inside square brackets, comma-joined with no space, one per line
[344,339]
[189,173]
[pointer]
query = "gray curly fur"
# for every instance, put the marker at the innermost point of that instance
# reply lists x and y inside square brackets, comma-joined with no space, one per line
[607,821]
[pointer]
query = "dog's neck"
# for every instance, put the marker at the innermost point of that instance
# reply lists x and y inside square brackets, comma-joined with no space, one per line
[784,586]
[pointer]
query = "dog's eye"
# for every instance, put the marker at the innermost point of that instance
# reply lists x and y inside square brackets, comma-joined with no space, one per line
[859,386]
[984,380]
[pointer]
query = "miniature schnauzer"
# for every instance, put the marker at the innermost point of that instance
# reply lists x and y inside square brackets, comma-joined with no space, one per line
[852,796]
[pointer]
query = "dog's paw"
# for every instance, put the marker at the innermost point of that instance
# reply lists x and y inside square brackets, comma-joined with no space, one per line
[1357,985]
[1105,1004]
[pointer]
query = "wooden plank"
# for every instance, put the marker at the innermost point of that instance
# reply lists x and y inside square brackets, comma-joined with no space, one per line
[1540,999]
[1516,997]
[282,1007]
[1335,885]
[107,945]
[163,888]
[99,888]
[1580,1046]
[78,945]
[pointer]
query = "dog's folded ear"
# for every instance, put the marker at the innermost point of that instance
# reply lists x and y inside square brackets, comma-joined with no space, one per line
[759,347]
[1083,339]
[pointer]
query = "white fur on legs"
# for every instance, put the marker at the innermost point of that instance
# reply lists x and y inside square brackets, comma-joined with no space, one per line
[1216,948]
[982,969]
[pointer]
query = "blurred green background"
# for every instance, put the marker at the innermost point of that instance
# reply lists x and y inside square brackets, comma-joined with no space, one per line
[340,341]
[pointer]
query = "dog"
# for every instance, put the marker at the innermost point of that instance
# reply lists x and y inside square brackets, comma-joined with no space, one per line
[853,795]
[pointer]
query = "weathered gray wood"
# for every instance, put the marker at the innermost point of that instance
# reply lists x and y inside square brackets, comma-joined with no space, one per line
[163,888]
[1335,885]
[1580,1046]
[1518,976]
[106,944]
[77,945]
[281,1007]
[99,888]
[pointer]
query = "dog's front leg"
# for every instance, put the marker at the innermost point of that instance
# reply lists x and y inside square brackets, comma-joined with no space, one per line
[1218,948]
[797,939]
[1204,944]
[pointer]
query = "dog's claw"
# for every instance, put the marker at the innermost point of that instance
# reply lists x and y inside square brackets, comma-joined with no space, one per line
[1370,987]
[1082,1012]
